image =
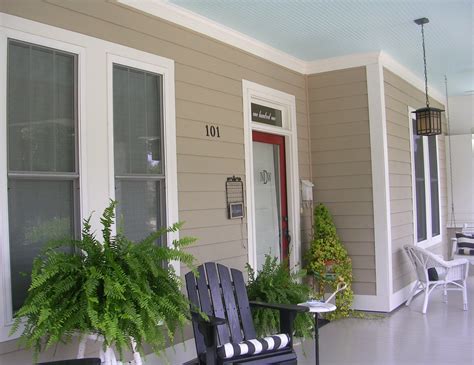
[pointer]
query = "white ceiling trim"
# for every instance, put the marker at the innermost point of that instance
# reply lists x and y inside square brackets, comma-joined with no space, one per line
[200,24]
[178,15]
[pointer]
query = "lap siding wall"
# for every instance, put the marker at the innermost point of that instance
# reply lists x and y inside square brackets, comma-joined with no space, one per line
[341,164]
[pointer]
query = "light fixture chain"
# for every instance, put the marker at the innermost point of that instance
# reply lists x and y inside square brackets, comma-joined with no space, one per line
[424,62]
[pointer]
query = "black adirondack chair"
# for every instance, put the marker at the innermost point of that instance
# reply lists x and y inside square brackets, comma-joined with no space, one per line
[221,294]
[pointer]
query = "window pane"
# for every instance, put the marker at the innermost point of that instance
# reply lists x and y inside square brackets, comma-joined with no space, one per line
[419,185]
[139,210]
[137,122]
[434,186]
[41,109]
[39,211]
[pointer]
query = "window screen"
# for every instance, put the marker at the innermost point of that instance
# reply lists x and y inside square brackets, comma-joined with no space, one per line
[434,186]
[138,151]
[42,151]
[419,185]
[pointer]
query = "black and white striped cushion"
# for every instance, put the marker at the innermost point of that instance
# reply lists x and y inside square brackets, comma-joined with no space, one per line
[465,244]
[252,347]
[466,251]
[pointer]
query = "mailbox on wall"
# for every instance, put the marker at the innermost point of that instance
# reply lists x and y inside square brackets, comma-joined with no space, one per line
[234,189]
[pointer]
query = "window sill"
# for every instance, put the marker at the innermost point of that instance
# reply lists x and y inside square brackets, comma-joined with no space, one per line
[429,243]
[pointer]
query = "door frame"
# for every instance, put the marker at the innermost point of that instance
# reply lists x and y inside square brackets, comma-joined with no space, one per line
[252,92]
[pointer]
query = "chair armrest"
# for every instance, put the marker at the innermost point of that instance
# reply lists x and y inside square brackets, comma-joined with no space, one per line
[211,322]
[457,262]
[280,307]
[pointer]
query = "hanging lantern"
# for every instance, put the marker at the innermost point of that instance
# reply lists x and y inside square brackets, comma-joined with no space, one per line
[428,119]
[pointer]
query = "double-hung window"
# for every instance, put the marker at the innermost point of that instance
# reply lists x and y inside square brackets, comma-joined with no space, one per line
[138,150]
[43,173]
[426,188]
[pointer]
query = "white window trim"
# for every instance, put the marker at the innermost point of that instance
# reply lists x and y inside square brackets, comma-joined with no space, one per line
[430,240]
[255,93]
[165,67]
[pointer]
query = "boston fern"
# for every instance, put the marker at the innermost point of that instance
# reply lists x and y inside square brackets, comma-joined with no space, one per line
[274,283]
[117,289]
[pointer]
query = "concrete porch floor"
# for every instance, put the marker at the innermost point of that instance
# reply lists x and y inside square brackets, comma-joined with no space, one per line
[445,335]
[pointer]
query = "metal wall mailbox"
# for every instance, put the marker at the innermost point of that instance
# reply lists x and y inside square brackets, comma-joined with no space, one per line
[234,191]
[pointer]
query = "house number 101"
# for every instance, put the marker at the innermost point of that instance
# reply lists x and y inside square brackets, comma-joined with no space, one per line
[212,131]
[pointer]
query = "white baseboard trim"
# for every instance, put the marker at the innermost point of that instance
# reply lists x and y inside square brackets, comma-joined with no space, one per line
[370,303]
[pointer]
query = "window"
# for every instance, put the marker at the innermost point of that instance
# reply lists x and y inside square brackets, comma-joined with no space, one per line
[138,151]
[426,187]
[43,174]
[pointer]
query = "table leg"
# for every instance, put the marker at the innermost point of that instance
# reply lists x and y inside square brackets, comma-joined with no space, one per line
[316,338]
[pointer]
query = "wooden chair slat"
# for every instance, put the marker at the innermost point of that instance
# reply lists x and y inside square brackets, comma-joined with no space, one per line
[243,304]
[230,305]
[216,296]
[194,299]
[203,292]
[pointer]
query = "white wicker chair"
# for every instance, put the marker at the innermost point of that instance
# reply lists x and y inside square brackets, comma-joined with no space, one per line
[452,274]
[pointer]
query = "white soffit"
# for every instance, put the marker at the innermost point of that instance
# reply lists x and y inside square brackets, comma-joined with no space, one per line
[186,18]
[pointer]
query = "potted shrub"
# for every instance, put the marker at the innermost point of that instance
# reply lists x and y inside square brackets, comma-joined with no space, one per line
[120,290]
[274,283]
[328,263]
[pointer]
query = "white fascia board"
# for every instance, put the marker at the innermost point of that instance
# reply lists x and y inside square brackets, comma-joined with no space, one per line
[200,24]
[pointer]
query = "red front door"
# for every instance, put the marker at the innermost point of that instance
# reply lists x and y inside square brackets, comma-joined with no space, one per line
[271,211]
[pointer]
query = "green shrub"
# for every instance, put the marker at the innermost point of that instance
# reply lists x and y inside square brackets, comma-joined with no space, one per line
[328,253]
[275,284]
[116,288]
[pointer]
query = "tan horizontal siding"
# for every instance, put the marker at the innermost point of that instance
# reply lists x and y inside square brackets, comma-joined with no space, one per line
[399,96]
[344,168]
[342,182]
[364,288]
[343,116]
[189,181]
[333,78]
[341,164]
[352,142]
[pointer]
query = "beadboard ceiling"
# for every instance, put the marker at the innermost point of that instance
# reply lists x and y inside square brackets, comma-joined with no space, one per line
[317,29]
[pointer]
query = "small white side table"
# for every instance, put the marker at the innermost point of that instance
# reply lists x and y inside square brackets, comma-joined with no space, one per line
[321,307]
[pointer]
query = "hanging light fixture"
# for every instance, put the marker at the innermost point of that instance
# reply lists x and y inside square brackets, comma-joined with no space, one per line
[428,119]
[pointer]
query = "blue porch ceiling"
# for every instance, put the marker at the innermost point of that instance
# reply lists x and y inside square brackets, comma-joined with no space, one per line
[319,29]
